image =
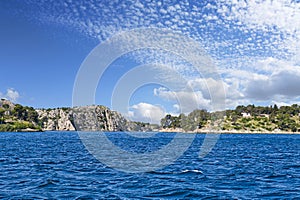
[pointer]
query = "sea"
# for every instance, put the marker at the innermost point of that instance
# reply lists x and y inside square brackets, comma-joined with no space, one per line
[58,165]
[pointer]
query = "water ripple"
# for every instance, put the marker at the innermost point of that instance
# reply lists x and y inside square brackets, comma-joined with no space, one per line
[55,165]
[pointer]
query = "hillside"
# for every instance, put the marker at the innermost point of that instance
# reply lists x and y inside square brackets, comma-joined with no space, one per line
[242,119]
[15,117]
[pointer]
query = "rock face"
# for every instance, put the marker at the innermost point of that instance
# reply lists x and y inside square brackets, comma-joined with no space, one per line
[87,118]
[56,119]
[98,118]
[101,118]
[6,102]
[7,105]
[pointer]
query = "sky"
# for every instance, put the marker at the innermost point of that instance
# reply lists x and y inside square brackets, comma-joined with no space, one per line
[254,47]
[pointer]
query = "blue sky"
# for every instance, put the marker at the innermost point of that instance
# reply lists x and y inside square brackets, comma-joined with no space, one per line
[254,46]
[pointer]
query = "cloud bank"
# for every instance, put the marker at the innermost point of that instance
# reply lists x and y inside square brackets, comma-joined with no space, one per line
[146,112]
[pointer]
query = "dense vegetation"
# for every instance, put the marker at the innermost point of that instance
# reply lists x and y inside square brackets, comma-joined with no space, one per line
[18,118]
[195,120]
[243,118]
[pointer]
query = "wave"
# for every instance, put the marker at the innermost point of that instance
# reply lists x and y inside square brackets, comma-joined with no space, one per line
[192,171]
[186,171]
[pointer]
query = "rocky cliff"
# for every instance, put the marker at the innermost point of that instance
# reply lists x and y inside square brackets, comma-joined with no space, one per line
[99,118]
[87,118]
[56,119]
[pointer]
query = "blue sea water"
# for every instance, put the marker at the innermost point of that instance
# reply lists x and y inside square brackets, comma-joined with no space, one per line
[56,165]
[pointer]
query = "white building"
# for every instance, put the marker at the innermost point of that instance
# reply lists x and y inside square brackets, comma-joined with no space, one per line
[244,114]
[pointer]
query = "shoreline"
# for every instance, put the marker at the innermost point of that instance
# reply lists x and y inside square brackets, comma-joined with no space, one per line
[248,132]
[208,131]
[198,131]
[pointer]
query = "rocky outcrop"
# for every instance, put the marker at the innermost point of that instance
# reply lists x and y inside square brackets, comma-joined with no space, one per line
[101,118]
[4,102]
[97,118]
[7,105]
[87,118]
[58,119]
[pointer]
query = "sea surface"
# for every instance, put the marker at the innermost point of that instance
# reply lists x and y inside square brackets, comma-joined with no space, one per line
[56,165]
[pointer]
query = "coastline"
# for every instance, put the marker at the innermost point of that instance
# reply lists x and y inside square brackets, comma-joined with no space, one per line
[18,118]
[169,130]
[253,132]
[209,131]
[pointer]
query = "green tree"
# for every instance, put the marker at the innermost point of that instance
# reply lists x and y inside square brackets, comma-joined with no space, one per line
[2,111]
[166,121]
[19,111]
[5,106]
[32,115]
[275,108]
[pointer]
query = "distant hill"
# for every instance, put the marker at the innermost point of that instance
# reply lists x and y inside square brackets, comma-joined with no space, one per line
[242,119]
[15,117]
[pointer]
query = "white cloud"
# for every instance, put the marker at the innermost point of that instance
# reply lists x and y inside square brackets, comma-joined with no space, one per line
[212,88]
[263,81]
[11,94]
[146,112]
[268,13]
[284,83]
[279,19]
[184,101]
[215,25]
[267,24]
[200,92]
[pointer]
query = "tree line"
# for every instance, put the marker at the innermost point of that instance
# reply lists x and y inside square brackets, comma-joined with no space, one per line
[270,118]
